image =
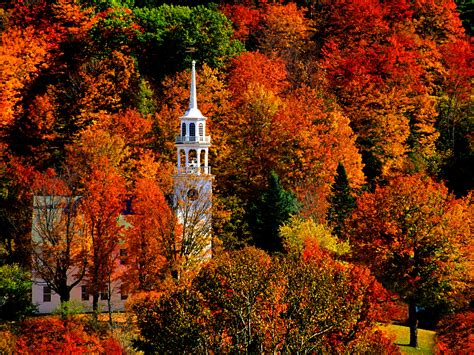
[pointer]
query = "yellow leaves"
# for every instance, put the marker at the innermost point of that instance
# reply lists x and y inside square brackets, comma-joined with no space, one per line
[424,131]
[147,167]
[260,104]
[93,147]
[297,233]
[284,28]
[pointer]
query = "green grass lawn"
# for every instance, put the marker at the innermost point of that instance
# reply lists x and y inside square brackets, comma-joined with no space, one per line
[425,339]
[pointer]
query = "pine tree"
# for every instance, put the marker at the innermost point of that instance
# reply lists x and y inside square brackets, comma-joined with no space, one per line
[341,200]
[269,212]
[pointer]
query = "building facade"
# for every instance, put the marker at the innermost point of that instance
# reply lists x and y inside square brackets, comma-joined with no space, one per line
[57,230]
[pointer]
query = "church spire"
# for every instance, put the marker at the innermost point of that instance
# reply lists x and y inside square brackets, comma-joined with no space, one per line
[193,111]
[192,96]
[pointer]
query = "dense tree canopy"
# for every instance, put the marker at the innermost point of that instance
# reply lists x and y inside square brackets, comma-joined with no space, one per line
[246,301]
[363,109]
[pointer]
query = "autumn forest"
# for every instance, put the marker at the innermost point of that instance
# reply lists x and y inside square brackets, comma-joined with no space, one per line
[342,156]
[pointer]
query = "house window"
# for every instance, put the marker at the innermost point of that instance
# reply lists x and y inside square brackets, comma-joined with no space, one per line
[128,210]
[46,294]
[123,256]
[192,131]
[84,293]
[123,292]
[104,295]
[201,130]
[183,129]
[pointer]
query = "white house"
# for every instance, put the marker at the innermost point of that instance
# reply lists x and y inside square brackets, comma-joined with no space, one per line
[48,229]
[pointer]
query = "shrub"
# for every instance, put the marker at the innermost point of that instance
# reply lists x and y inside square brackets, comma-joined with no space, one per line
[52,335]
[168,322]
[68,309]
[15,293]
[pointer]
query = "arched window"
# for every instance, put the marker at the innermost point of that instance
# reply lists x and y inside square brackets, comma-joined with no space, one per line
[183,129]
[192,131]
[201,130]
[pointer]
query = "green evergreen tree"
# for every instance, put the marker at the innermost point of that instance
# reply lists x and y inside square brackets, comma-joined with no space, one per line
[269,212]
[466,13]
[341,201]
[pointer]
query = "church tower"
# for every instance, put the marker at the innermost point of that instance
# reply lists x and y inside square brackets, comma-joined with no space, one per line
[193,180]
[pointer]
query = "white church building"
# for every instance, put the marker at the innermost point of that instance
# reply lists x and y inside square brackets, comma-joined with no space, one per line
[192,203]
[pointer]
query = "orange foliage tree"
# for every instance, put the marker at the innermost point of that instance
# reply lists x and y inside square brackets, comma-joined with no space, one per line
[149,238]
[94,146]
[298,134]
[103,201]
[23,54]
[107,84]
[414,235]
[285,32]
[323,139]
[253,129]
[36,117]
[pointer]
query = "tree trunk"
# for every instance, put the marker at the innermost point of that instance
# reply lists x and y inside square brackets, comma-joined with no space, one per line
[109,300]
[95,303]
[65,296]
[413,324]
[63,290]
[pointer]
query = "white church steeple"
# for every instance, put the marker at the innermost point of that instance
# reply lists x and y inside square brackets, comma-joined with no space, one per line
[192,144]
[193,180]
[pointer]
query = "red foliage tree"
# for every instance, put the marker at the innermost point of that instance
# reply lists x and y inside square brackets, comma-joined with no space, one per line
[413,236]
[253,67]
[52,335]
[245,19]
[384,67]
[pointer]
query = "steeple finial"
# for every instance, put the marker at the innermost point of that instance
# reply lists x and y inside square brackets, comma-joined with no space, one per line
[193,97]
